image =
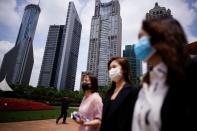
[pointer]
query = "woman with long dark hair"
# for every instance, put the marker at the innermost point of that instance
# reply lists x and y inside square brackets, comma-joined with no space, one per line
[120,99]
[166,100]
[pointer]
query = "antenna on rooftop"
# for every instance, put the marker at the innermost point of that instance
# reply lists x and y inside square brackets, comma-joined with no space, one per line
[38,2]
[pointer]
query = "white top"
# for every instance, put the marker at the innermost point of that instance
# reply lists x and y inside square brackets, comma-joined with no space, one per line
[147,109]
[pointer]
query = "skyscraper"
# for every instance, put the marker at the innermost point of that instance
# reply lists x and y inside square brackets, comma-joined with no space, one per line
[51,55]
[69,49]
[158,12]
[135,64]
[18,62]
[105,39]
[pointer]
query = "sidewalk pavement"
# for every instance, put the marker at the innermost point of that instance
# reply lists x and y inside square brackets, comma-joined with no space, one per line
[39,125]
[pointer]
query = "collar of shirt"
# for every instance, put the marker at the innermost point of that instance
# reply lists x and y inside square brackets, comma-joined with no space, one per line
[157,80]
[159,71]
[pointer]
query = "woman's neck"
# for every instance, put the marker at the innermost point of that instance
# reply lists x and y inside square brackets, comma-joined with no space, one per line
[154,60]
[87,93]
[120,84]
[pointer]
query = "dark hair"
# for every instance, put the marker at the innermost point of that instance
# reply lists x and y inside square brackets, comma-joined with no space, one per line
[123,62]
[94,82]
[169,40]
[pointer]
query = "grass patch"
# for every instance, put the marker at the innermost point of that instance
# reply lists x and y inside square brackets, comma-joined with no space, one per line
[13,116]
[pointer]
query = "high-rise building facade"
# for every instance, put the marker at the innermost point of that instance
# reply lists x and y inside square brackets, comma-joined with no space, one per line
[59,64]
[69,49]
[18,62]
[51,55]
[135,64]
[105,39]
[158,12]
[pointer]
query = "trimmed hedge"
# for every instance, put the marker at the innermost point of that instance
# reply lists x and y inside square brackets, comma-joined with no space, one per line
[10,104]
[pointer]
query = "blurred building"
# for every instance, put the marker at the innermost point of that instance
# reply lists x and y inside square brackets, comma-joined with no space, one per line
[51,55]
[158,12]
[69,50]
[105,39]
[59,64]
[192,48]
[135,64]
[17,63]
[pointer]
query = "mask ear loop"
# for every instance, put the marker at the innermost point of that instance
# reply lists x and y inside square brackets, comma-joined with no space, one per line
[149,56]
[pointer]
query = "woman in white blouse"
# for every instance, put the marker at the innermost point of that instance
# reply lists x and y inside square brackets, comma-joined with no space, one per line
[166,99]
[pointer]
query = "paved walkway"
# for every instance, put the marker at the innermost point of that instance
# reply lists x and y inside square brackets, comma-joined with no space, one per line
[39,125]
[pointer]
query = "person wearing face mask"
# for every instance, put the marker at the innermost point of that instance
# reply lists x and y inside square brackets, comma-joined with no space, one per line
[167,99]
[119,100]
[90,109]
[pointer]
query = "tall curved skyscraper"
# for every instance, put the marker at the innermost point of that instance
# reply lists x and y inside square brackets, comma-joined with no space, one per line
[18,62]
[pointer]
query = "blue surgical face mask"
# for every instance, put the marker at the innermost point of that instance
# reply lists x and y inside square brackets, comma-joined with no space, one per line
[143,49]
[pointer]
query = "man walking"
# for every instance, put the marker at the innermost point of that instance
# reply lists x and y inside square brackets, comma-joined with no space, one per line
[64,108]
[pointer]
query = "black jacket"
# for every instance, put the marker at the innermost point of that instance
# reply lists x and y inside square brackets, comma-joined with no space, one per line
[117,115]
[64,106]
[178,112]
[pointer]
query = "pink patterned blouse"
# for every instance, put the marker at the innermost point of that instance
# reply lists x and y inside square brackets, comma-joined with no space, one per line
[90,109]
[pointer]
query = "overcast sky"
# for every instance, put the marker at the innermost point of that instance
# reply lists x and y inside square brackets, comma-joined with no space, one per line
[54,12]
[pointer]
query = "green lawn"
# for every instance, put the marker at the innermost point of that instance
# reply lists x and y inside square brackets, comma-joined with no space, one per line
[13,116]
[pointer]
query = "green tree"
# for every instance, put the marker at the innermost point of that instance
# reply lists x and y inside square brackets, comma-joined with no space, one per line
[103,90]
